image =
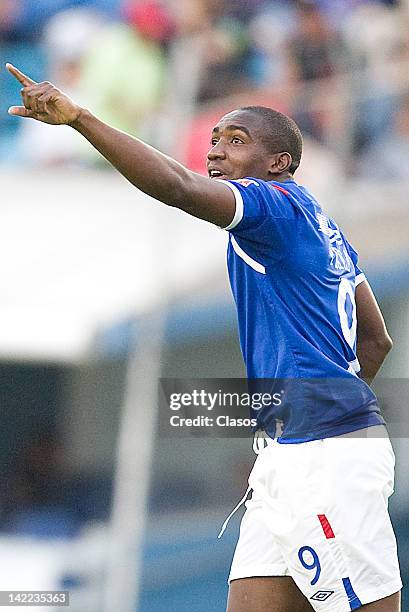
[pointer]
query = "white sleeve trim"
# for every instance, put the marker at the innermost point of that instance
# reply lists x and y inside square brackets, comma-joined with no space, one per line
[360,279]
[238,215]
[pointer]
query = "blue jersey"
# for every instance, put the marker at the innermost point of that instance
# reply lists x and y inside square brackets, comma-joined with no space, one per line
[293,275]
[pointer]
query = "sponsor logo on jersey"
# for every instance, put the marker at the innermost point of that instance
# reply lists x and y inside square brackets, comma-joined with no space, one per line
[323,224]
[248,182]
[338,255]
[322,595]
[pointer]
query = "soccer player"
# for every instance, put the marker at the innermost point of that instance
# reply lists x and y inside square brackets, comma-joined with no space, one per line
[316,534]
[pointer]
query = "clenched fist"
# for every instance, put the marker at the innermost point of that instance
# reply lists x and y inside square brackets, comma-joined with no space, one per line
[43,101]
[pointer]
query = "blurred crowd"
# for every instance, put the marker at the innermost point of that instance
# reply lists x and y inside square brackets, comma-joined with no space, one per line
[165,70]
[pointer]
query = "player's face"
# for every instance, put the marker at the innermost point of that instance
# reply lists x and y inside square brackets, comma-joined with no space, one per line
[237,148]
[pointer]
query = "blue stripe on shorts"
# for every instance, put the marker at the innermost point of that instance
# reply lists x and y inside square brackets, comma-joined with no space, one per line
[353,598]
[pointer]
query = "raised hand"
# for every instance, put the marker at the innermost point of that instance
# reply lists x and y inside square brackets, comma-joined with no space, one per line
[43,101]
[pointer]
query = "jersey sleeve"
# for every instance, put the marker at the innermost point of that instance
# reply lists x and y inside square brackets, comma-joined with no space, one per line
[359,275]
[265,218]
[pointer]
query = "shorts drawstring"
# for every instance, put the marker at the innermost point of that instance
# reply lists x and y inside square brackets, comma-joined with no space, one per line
[241,502]
[259,443]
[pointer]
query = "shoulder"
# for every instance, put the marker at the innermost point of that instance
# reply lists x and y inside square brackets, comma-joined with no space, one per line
[257,188]
[260,202]
[246,185]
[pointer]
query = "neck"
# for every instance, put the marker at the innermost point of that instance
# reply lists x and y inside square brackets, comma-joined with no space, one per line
[280,178]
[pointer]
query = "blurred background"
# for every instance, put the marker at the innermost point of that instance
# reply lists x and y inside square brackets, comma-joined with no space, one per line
[103,291]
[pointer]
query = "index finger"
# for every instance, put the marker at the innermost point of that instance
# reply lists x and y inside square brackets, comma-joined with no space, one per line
[20,76]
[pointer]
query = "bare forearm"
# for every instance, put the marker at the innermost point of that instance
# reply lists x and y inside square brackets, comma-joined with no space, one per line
[371,355]
[150,170]
[156,174]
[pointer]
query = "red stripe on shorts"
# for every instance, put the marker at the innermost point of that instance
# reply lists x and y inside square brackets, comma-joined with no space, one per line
[326,527]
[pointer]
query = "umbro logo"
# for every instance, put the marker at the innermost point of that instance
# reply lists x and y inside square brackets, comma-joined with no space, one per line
[322,595]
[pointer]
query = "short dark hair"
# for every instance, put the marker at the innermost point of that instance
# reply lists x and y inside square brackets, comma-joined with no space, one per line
[280,133]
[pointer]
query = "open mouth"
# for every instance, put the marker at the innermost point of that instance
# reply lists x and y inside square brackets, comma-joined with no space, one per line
[216,174]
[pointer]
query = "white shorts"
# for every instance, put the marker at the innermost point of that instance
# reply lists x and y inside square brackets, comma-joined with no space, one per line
[319,513]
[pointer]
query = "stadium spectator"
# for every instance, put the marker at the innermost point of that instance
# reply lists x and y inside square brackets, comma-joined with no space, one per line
[317,54]
[225,47]
[20,43]
[269,32]
[10,18]
[374,35]
[123,73]
[67,37]
[339,10]
[391,151]
[315,45]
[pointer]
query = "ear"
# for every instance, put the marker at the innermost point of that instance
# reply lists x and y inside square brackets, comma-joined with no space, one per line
[280,162]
